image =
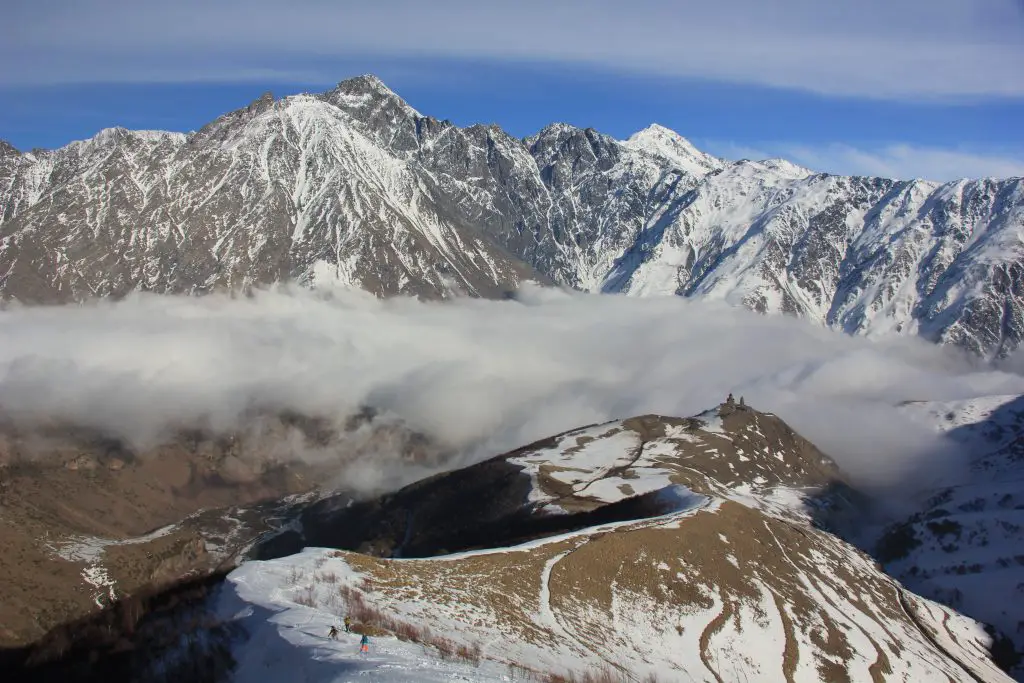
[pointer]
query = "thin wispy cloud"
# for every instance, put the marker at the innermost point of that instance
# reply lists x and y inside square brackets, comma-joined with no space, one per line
[479,376]
[873,48]
[900,161]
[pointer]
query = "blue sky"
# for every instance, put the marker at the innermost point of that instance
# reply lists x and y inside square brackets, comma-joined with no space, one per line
[904,88]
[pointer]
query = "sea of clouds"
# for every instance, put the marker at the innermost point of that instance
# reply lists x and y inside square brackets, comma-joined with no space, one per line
[480,377]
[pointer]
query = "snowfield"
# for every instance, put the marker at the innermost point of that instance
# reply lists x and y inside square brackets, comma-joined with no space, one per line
[586,468]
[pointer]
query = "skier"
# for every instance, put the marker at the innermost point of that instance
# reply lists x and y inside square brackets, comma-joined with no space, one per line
[348,624]
[333,633]
[364,644]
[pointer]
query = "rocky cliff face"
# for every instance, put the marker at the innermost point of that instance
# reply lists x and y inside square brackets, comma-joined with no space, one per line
[355,186]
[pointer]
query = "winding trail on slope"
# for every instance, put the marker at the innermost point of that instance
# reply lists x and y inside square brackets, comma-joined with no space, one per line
[881,660]
[907,610]
[881,664]
[545,611]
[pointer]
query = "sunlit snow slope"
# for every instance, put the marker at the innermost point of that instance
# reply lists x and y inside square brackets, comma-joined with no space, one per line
[287,642]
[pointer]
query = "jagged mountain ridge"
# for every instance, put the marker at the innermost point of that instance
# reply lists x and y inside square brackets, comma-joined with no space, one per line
[354,185]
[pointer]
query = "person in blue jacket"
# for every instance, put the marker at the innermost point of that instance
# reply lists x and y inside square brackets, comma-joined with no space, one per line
[364,644]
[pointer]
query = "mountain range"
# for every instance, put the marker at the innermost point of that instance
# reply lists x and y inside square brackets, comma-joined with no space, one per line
[355,187]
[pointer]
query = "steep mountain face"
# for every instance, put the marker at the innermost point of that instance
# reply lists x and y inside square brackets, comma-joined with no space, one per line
[355,186]
[963,547]
[271,192]
[687,549]
[864,255]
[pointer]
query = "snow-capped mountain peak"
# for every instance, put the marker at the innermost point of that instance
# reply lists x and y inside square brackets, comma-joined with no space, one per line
[659,140]
[783,167]
[556,129]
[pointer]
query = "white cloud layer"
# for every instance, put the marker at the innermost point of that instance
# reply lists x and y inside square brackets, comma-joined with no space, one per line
[482,376]
[876,48]
[902,161]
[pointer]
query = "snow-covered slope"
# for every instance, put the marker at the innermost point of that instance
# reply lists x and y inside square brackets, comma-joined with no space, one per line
[729,577]
[538,608]
[865,255]
[966,545]
[286,641]
[355,186]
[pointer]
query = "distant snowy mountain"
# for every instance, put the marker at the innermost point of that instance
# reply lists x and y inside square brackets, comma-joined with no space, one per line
[357,187]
